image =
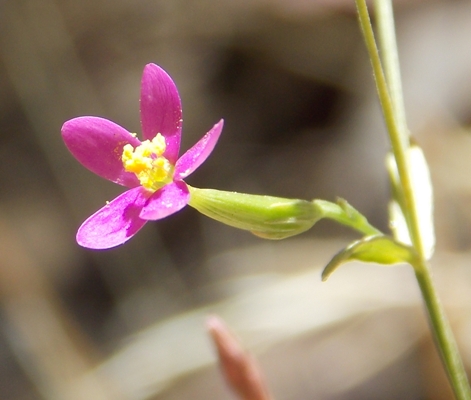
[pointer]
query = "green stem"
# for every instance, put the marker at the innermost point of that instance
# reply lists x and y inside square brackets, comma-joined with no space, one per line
[345,214]
[399,142]
[387,39]
[390,95]
[443,334]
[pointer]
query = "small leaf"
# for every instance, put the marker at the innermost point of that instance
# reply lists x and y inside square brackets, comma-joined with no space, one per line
[397,222]
[423,196]
[377,249]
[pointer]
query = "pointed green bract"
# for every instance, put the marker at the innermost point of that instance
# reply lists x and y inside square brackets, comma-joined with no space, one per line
[376,249]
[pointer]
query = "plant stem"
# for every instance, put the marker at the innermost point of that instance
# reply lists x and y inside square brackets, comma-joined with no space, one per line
[390,95]
[443,334]
[387,39]
[345,214]
[399,142]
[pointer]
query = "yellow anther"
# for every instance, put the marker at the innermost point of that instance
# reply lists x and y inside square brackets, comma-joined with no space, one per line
[148,163]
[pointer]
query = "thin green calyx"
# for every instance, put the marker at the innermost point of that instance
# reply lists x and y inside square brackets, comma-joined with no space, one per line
[265,216]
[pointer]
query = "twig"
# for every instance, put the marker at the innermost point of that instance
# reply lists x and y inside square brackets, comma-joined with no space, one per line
[240,370]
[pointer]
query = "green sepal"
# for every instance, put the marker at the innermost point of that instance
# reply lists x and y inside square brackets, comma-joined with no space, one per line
[380,249]
[265,216]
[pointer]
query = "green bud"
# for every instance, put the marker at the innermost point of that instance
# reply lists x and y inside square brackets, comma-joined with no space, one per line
[265,216]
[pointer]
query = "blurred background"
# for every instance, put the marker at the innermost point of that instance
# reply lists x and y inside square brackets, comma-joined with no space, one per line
[292,80]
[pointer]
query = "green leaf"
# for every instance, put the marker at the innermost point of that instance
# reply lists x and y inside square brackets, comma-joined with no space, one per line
[423,199]
[377,249]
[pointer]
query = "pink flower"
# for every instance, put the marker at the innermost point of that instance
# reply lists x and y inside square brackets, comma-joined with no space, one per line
[151,169]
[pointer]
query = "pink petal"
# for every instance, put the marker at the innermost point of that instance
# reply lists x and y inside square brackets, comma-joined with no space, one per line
[161,109]
[97,143]
[116,222]
[166,201]
[195,156]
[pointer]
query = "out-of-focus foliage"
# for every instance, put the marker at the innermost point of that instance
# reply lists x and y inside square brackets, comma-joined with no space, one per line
[292,81]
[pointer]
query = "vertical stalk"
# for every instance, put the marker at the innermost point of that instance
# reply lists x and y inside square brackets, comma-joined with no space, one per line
[399,142]
[444,338]
[387,41]
[390,95]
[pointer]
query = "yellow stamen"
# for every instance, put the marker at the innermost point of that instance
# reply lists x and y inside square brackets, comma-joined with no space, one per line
[147,162]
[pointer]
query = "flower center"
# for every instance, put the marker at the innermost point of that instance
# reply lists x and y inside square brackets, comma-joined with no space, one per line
[147,162]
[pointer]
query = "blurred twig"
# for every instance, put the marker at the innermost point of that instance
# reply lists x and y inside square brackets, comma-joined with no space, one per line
[241,371]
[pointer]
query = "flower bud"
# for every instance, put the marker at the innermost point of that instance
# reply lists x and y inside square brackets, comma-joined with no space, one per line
[265,216]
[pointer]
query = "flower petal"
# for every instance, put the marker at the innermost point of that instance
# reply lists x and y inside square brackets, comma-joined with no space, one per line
[97,143]
[195,156]
[166,201]
[116,222]
[161,110]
